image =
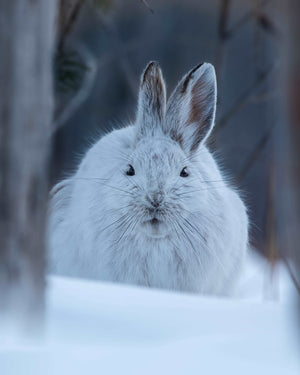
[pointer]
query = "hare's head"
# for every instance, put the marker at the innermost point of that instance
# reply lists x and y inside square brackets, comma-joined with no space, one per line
[162,167]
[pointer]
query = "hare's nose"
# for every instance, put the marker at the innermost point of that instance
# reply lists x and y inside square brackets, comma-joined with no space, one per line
[155,199]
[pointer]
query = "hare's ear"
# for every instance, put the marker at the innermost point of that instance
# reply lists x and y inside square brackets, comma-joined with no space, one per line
[152,101]
[191,108]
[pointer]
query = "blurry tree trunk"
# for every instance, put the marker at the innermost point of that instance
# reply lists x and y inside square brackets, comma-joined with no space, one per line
[291,59]
[27,32]
[293,86]
[68,14]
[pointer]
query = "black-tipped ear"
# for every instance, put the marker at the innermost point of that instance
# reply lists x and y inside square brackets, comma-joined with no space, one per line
[152,100]
[191,108]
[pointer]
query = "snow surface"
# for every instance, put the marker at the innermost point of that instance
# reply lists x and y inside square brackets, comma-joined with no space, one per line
[103,328]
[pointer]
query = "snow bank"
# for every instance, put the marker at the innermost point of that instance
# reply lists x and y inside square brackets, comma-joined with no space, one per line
[102,328]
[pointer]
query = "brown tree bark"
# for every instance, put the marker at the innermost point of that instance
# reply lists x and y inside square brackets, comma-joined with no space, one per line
[293,87]
[291,63]
[27,33]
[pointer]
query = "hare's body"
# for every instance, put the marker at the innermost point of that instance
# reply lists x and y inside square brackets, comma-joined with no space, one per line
[150,226]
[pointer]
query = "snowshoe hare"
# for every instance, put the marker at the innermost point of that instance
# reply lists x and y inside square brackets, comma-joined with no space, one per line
[148,204]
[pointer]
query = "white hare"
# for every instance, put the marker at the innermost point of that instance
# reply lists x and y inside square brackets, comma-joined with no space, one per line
[148,204]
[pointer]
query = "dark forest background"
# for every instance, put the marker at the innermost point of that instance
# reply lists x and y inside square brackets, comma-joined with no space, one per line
[110,42]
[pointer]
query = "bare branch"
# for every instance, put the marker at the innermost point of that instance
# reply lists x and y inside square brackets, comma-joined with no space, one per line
[247,17]
[83,92]
[257,40]
[222,34]
[68,22]
[264,96]
[119,51]
[291,273]
[244,98]
[147,5]
[254,155]
[272,240]
[268,25]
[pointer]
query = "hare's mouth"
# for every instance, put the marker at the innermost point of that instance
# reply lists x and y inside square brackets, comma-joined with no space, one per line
[154,228]
[155,221]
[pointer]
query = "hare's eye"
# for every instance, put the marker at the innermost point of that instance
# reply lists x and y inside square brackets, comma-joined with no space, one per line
[130,171]
[184,172]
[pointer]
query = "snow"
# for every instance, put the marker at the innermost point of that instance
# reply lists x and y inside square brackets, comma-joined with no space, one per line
[104,328]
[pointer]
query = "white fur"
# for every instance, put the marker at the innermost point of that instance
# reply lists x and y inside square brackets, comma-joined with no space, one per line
[97,225]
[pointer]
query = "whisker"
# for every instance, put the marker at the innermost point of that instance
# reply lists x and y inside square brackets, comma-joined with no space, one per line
[199,190]
[211,251]
[129,227]
[114,222]
[96,179]
[116,209]
[189,240]
[90,178]
[192,226]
